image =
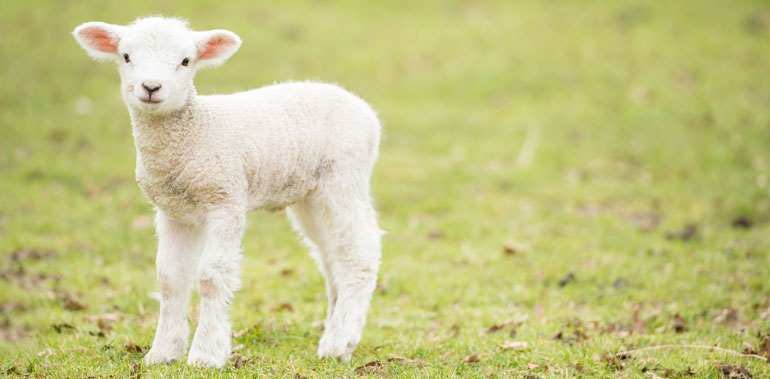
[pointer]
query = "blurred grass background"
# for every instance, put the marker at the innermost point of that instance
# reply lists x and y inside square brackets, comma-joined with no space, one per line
[617,149]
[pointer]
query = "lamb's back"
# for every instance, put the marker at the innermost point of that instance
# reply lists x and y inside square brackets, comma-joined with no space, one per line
[292,137]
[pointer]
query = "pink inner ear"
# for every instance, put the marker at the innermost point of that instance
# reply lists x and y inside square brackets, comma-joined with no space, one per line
[100,40]
[213,47]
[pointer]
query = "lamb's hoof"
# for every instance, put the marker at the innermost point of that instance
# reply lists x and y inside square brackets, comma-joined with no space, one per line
[340,349]
[204,359]
[159,356]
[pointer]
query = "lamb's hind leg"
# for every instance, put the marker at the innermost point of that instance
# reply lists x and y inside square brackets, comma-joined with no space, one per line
[306,222]
[178,246]
[353,255]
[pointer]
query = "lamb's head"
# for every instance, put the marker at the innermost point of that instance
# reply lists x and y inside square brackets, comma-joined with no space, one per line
[157,58]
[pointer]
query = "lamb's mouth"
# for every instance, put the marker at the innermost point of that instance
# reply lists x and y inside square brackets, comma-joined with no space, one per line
[151,101]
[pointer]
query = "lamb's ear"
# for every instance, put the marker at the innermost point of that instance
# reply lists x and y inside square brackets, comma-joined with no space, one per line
[215,46]
[99,40]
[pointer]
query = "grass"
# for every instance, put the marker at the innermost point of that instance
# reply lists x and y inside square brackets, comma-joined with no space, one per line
[638,208]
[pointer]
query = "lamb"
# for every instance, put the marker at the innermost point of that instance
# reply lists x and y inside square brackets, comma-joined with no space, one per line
[205,161]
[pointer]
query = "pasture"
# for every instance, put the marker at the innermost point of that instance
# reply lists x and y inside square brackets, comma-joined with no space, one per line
[560,181]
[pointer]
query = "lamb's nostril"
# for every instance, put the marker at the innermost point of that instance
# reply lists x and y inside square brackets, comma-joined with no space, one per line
[151,87]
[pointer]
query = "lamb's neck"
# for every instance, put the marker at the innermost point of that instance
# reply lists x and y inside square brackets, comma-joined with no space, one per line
[154,134]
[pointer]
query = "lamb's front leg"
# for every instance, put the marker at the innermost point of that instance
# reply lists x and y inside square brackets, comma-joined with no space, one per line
[176,261]
[217,281]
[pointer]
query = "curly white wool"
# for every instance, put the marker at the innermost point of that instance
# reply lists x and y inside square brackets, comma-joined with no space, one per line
[204,161]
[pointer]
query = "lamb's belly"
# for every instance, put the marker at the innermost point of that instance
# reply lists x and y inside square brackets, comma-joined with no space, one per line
[285,186]
[272,203]
[275,199]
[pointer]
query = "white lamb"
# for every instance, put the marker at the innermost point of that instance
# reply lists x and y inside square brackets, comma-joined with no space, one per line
[204,161]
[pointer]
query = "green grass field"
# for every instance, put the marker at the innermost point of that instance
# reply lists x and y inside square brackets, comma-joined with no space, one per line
[584,177]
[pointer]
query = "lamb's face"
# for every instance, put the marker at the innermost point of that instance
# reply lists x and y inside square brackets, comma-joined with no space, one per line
[157,58]
[157,67]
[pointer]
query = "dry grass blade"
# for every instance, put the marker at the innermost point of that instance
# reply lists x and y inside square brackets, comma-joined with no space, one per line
[527,152]
[396,358]
[514,345]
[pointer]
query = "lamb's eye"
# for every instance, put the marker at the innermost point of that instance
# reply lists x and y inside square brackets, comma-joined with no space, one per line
[125,56]
[185,61]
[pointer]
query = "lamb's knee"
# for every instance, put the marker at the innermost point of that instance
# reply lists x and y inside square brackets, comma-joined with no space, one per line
[172,281]
[207,287]
[218,279]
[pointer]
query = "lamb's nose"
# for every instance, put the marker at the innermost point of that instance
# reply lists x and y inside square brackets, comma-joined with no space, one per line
[151,87]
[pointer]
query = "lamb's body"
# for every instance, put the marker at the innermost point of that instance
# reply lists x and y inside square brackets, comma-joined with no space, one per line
[204,161]
[261,149]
